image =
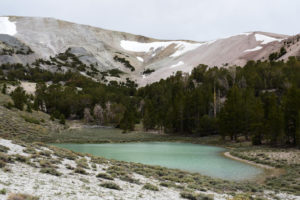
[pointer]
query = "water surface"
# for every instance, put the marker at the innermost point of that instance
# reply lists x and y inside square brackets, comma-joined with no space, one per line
[207,160]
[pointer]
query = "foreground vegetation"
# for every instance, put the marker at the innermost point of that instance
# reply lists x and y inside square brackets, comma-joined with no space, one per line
[58,163]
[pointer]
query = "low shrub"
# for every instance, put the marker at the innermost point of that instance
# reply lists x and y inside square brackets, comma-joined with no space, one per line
[9,105]
[111,185]
[51,171]
[3,191]
[69,167]
[45,164]
[149,186]
[104,176]
[21,158]
[5,158]
[166,184]
[2,164]
[4,149]
[63,153]
[129,179]
[29,150]
[80,170]
[82,163]
[45,153]
[193,196]
[30,119]
[19,196]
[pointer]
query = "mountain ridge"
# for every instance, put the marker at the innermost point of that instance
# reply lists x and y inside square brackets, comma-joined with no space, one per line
[107,49]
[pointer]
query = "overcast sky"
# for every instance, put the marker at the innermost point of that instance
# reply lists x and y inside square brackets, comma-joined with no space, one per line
[169,19]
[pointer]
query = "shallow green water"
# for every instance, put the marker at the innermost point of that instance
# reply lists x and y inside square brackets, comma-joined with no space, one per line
[206,160]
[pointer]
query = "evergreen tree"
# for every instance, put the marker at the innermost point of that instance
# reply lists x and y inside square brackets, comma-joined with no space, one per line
[19,98]
[297,134]
[28,109]
[291,111]
[62,119]
[4,89]
[231,115]
[273,120]
[149,116]
[128,121]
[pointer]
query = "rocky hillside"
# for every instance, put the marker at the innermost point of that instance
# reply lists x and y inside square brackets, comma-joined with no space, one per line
[142,59]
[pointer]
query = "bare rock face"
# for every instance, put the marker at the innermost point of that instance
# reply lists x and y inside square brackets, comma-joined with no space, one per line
[105,49]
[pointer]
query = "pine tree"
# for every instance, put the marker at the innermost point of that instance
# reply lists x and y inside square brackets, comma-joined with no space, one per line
[4,89]
[149,116]
[291,109]
[62,119]
[28,109]
[231,114]
[19,97]
[128,121]
[298,131]
[273,120]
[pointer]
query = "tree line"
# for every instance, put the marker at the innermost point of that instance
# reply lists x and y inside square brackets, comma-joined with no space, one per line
[259,102]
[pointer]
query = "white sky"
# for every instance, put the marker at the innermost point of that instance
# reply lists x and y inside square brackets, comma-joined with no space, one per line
[199,20]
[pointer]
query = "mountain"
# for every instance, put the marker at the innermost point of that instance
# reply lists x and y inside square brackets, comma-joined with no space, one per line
[143,59]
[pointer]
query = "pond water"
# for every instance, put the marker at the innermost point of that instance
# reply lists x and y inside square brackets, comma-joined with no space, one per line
[207,160]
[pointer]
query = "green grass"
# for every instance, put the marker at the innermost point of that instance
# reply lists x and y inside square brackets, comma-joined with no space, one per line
[113,135]
[16,124]
[30,119]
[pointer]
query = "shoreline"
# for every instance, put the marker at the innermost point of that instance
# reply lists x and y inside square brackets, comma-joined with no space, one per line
[228,155]
[269,171]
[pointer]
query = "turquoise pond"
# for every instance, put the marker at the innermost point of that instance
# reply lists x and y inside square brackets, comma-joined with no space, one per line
[207,160]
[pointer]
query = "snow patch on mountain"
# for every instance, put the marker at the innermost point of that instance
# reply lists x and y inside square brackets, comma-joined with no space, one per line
[7,27]
[265,39]
[181,46]
[177,64]
[254,49]
[140,59]
[142,47]
[246,33]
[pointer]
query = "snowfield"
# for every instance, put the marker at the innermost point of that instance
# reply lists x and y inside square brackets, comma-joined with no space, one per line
[7,27]
[140,59]
[181,46]
[254,49]
[265,39]
[177,64]
[184,47]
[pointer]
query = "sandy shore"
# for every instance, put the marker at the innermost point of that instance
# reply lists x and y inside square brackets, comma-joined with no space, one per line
[228,155]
